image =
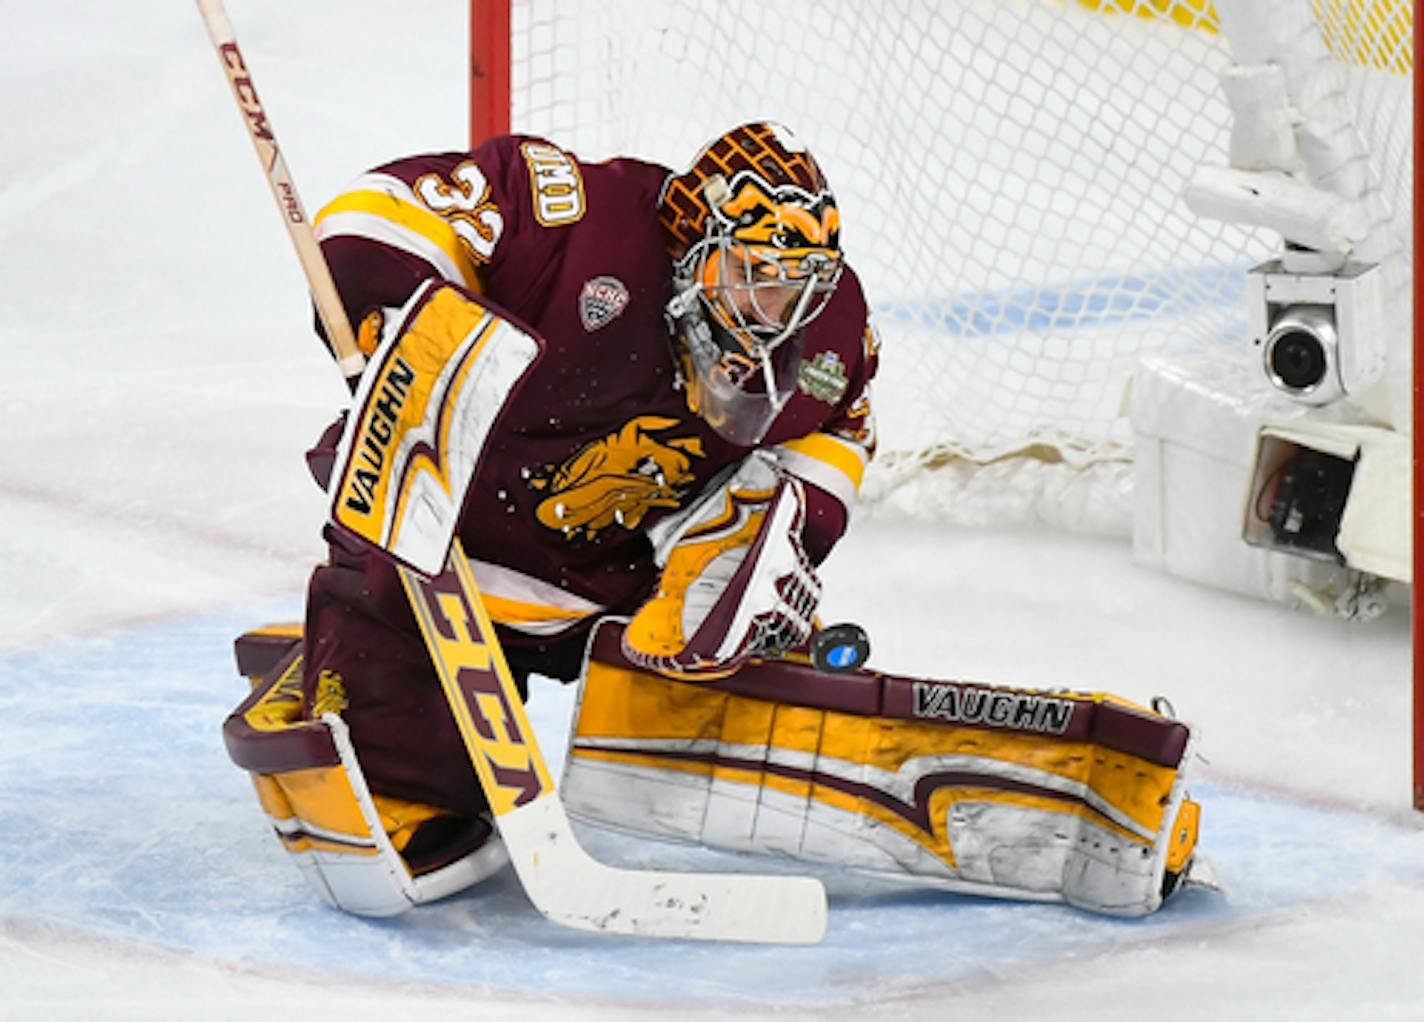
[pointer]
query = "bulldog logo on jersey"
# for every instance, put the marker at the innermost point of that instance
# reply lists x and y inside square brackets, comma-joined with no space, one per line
[617,479]
[601,301]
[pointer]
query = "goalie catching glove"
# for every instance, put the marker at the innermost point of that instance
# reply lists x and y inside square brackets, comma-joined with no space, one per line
[736,581]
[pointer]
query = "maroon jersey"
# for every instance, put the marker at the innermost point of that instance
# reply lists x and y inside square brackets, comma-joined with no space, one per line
[599,443]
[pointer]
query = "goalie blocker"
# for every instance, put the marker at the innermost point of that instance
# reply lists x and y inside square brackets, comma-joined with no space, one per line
[1035,795]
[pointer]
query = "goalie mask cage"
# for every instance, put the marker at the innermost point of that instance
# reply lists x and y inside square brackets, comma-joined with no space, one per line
[1011,176]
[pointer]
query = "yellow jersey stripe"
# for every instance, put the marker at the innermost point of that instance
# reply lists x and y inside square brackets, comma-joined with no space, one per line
[529,604]
[836,466]
[382,213]
[845,457]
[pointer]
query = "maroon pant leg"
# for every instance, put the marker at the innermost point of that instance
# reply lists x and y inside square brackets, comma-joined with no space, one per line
[359,627]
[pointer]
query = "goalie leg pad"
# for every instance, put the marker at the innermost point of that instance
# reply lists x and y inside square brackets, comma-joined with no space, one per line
[1032,796]
[365,854]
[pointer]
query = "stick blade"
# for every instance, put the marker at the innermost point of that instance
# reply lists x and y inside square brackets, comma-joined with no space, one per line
[572,888]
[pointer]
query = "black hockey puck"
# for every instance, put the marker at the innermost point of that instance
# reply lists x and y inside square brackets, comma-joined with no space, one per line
[840,648]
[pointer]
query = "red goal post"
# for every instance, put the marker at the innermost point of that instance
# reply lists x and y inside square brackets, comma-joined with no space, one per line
[1418,438]
[490,50]
[1061,416]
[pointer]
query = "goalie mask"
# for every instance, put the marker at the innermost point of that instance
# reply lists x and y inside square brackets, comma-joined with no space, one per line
[756,236]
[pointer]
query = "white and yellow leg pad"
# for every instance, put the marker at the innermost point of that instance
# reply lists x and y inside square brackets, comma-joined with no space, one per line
[982,790]
[343,839]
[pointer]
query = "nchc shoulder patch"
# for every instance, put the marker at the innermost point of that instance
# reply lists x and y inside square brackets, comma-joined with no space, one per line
[425,407]
[601,301]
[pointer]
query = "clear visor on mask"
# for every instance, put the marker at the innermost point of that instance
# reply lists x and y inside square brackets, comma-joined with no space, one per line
[740,313]
[738,396]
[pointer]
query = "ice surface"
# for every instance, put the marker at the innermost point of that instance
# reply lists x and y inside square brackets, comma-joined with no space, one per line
[160,385]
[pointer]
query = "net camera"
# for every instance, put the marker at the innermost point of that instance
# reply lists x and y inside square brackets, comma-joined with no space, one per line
[1321,334]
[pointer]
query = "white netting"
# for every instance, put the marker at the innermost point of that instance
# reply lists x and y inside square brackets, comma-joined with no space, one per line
[1010,174]
[1371,49]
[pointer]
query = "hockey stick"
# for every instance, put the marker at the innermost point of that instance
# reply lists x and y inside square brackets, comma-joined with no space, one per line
[279,179]
[561,879]
[564,881]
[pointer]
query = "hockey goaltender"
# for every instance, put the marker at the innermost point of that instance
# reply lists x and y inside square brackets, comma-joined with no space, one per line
[642,399]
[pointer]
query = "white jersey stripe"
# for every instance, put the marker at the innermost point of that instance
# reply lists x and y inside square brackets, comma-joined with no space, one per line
[529,604]
[375,228]
[825,474]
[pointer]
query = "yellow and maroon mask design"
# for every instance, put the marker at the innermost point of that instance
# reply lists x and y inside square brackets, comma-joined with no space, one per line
[760,152]
[771,260]
[786,223]
[755,231]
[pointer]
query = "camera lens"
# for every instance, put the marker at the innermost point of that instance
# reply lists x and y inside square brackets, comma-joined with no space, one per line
[1301,353]
[1297,359]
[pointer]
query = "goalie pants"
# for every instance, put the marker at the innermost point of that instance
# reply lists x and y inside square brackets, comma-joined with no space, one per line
[361,640]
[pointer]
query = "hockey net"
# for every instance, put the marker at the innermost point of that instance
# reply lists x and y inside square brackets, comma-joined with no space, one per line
[1010,174]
